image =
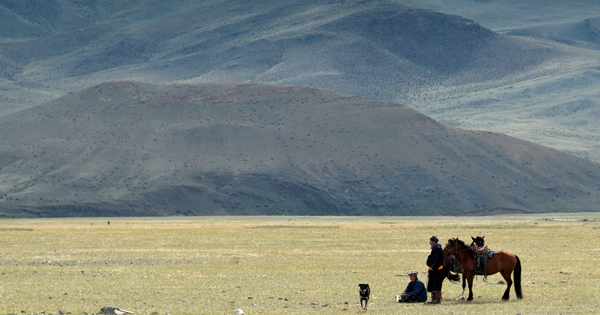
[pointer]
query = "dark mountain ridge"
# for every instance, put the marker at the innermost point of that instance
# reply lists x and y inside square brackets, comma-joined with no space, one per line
[375,49]
[130,149]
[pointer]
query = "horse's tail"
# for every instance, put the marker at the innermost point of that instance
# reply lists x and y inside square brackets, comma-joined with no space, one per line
[517,279]
[453,277]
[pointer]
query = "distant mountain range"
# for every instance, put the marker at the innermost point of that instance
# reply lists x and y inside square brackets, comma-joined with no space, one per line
[133,149]
[373,49]
[526,73]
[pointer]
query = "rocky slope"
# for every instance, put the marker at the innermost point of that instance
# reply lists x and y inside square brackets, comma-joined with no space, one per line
[128,148]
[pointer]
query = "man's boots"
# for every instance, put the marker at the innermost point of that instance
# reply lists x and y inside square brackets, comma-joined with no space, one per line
[436,297]
[432,297]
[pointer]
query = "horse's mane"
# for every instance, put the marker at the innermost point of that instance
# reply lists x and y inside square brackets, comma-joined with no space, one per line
[459,242]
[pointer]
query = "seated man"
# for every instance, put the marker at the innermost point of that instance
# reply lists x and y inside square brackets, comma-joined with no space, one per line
[415,290]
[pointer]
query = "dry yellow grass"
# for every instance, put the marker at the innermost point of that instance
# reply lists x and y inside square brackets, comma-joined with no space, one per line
[284,265]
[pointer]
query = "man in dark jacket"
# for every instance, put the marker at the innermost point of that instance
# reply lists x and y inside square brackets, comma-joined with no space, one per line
[435,262]
[415,290]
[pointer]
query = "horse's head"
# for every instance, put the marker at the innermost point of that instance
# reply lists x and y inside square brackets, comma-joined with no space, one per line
[454,246]
[450,248]
[479,240]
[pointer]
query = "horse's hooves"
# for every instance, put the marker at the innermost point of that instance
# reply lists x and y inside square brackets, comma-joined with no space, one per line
[462,298]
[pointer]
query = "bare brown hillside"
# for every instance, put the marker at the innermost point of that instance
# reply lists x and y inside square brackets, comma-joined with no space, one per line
[128,148]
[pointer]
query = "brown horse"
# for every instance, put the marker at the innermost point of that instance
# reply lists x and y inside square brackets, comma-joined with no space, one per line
[502,261]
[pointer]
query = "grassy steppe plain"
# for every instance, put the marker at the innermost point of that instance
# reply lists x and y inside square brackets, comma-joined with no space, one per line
[285,265]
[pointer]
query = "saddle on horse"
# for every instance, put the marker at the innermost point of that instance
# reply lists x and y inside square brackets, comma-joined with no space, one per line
[481,253]
[480,257]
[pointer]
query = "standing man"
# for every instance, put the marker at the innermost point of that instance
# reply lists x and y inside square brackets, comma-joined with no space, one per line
[435,262]
[415,290]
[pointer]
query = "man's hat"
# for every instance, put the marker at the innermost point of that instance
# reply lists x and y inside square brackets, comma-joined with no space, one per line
[413,273]
[434,238]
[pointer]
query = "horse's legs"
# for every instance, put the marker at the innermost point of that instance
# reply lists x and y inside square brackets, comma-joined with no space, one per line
[462,294]
[470,281]
[506,275]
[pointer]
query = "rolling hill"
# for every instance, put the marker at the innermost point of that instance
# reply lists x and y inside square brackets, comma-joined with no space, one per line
[128,148]
[520,68]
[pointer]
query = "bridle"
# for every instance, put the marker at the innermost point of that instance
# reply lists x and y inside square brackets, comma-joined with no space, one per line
[451,253]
